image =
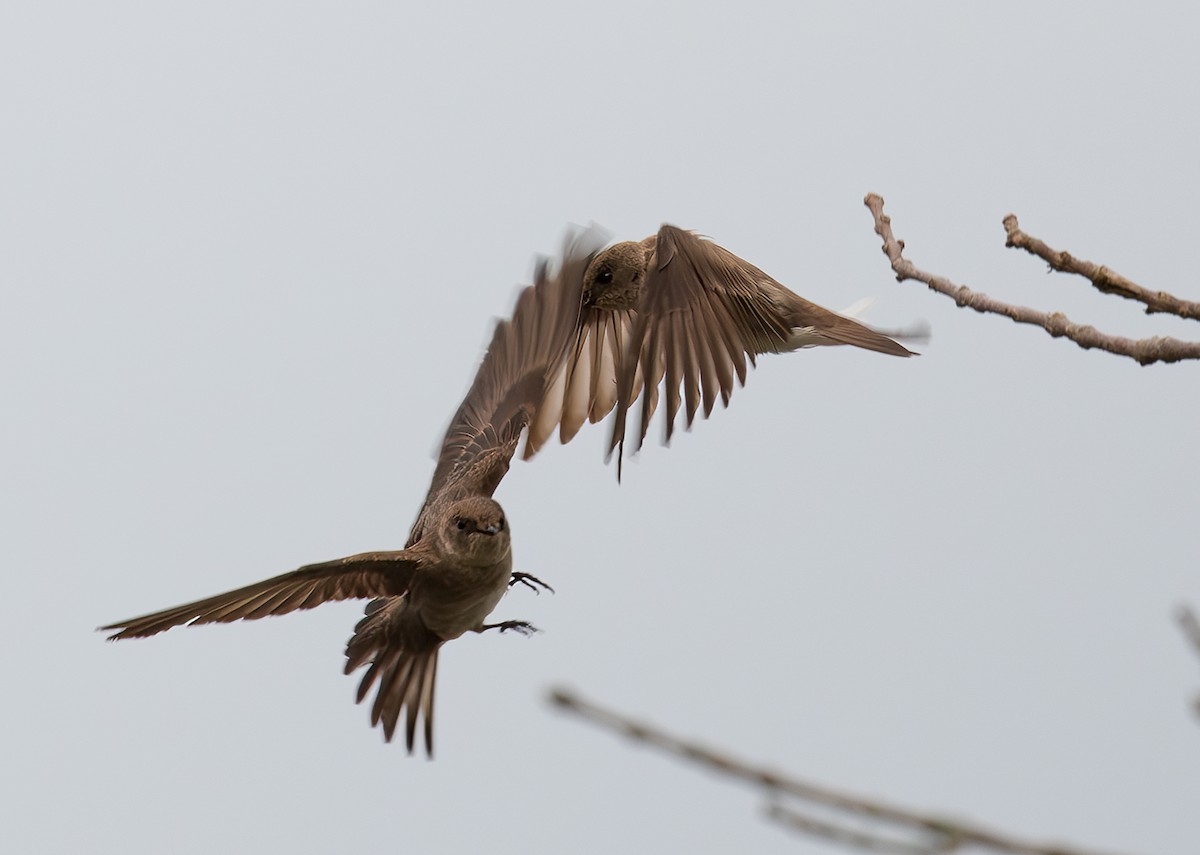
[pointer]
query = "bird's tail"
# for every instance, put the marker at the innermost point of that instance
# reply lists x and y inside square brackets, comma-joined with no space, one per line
[817,326]
[403,661]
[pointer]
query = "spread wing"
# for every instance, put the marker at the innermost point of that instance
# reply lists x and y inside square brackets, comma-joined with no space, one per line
[512,378]
[703,312]
[370,574]
[584,386]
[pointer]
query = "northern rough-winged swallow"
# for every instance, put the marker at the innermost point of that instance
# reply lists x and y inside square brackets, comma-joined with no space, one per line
[581,343]
[457,562]
[678,307]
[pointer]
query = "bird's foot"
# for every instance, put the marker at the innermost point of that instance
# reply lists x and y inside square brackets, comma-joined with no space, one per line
[524,627]
[529,581]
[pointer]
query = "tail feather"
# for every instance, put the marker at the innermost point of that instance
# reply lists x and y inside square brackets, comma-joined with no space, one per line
[427,693]
[413,694]
[839,330]
[860,335]
[402,656]
[392,693]
[406,684]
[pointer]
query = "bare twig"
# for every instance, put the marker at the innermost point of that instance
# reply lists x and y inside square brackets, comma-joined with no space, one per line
[1190,625]
[1105,280]
[1146,351]
[945,833]
[797,821]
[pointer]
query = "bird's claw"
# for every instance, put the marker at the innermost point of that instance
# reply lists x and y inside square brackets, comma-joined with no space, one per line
[524,627]
[529,581]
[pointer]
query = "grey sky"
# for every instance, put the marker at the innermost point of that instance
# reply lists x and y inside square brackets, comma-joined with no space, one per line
[249,257]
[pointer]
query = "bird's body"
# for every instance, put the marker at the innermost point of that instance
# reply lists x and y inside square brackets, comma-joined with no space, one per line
[462,571]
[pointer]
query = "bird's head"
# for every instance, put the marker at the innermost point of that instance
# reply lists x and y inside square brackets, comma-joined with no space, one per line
[614,278]
[475,531]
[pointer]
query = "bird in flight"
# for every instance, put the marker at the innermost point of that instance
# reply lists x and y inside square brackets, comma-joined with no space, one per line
[584,340]
[678,311]
[457,563]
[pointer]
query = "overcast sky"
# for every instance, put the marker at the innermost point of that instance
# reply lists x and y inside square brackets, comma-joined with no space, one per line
[250,254]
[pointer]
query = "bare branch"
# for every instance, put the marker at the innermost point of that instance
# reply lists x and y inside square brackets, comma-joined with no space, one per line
[1105,280]
[1190,625]
[1146,351]
[797,821]
[939,829]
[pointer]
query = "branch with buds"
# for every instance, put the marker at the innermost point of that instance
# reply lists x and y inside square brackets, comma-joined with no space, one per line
[1146,351]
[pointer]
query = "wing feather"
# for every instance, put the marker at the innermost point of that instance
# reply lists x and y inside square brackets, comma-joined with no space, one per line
[517,372]
[702,314]
[370,574]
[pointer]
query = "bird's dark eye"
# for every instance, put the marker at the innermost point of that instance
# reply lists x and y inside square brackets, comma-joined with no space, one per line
[462,525]
[604,276]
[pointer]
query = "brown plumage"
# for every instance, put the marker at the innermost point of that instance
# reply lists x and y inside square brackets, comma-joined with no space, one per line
[583,341]
[678,308]
[457,562]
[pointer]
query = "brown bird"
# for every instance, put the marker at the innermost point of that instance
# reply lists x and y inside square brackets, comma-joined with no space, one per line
[678,307]
[457,563]
[580,344]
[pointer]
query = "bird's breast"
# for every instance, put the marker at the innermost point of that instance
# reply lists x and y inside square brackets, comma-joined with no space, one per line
[456,599]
